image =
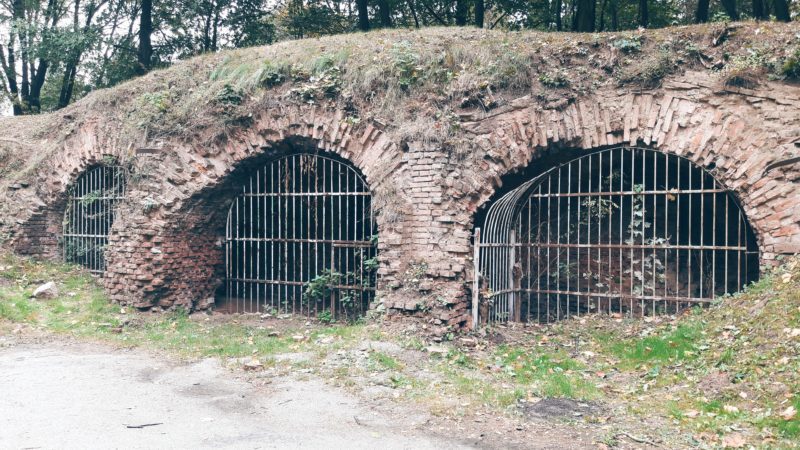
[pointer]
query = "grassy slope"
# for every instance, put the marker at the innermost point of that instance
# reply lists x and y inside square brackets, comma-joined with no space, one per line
[417,82]
[710,378]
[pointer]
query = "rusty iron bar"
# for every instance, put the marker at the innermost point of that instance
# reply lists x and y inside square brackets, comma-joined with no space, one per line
[90,212]
[623,230]
[299,239]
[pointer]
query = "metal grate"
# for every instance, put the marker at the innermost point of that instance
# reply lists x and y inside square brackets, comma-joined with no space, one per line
[301,239]
[91,208]
[625,231]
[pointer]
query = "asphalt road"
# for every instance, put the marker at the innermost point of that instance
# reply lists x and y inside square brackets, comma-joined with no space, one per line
[80,396]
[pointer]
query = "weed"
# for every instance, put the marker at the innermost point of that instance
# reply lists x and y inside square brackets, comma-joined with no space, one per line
[629,44]
[384,361]
[555,79]
[650,71]
[677,344]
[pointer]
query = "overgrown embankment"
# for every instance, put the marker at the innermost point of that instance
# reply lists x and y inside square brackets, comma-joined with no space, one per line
[727,376]
[416,83]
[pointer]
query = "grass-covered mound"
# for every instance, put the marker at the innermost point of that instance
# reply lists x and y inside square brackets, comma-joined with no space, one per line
[417,83]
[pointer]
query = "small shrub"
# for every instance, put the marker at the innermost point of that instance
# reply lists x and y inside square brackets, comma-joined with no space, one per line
[406,64]
[791,66]
[556,79]
[271,75]
[229,96]
[629,44]
[650,71]
[325,317]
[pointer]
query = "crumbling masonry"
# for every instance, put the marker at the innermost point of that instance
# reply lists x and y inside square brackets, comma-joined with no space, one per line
[165,248]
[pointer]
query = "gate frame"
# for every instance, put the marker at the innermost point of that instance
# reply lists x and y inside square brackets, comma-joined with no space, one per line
[339,166]
[96,265]
[523,191]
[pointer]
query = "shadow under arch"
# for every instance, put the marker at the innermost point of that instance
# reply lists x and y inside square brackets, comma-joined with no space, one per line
[288,230]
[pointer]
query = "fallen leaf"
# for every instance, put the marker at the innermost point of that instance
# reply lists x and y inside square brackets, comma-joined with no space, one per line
[789,413]
[733,440]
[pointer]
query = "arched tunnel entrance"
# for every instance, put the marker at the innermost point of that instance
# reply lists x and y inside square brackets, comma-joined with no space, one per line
[301,237]
[90,212]
[623,230]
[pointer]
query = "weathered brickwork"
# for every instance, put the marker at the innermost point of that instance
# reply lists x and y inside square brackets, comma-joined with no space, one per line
[165,248]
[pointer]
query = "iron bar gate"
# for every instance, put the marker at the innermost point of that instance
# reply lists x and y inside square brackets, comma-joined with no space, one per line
[621,231]
[90,212]
[301,238]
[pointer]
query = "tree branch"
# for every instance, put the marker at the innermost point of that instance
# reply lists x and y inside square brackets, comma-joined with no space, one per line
[433,13]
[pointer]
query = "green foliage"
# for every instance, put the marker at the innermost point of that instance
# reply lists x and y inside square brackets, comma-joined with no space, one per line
[384,361]
[406,64]
[554,79]
[321,287]
[747,70]
[159,101]
[680,343]
[229,96]
[629,44]
[326,316]
[791,66]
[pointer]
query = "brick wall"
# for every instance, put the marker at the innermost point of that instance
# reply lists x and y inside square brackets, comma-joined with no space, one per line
[165,248]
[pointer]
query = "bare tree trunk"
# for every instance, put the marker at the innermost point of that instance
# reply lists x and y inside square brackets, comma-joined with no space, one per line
[701,13]
[585,16]
[782,10]
[559,4]
[759,12]
[602,25]
[730,9]
[480,12]
[413,12]
[385,13]
[644,14]
[144,55]
[363,15]
[614,15]
[461,12]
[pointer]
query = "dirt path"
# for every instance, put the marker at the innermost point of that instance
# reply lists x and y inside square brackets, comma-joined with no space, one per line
[81,396]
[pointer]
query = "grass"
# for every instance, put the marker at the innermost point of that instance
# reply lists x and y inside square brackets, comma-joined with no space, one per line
[384,361]
[674,345]
[734,367]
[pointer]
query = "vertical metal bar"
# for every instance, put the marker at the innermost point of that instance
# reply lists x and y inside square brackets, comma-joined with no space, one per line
[538,255]
[547,279]
[476,276]
[511,282]
[727,242]
[714,242]
[558,249]
[569,230]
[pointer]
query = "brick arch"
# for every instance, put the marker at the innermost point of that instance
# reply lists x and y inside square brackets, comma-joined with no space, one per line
[426,193]
[42,210]
[173,254]
[735,146]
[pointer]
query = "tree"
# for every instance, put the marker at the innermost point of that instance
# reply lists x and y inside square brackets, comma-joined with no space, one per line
[363,15]
[782,10]
[385,13]
[480,11]
[461,12]
[145,53]
[644,16]
[33,46]
[701,12]
[585,15]
[730,9]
